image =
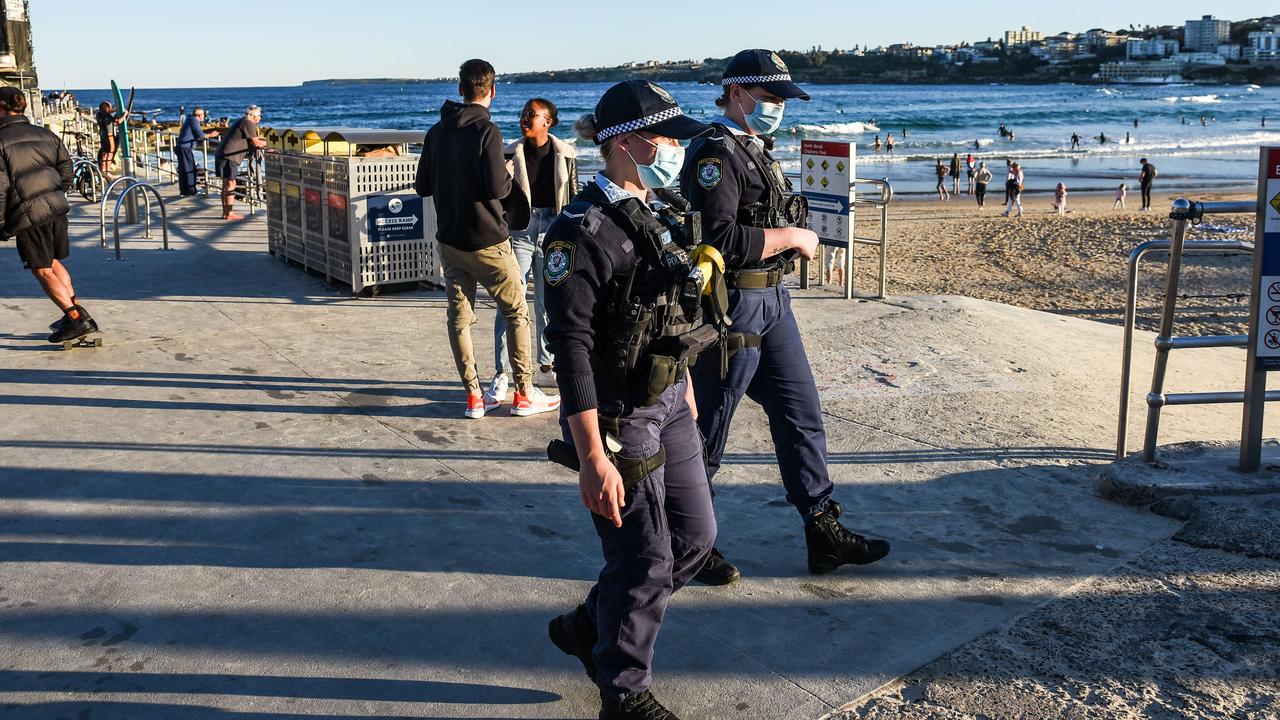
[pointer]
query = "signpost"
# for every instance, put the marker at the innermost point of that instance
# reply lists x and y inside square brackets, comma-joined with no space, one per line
[1264,315]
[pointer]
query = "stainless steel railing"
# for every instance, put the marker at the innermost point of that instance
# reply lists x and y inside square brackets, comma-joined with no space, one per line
[1183,214]
[880,201]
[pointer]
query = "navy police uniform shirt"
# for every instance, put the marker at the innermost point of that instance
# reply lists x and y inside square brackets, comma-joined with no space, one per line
[584,251]
[718,178]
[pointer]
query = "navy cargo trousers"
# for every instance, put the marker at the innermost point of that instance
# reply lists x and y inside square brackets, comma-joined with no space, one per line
[776,375]
[186,169]
[668,528]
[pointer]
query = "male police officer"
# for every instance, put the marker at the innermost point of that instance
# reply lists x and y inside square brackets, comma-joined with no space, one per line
[748,213]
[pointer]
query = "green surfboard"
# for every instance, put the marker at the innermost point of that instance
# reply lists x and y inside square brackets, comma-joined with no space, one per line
[123,143]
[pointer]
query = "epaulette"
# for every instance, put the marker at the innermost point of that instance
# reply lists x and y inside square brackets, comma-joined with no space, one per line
[582,213]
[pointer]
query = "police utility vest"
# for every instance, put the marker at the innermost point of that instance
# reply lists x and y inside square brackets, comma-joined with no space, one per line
[780,206]
[671,305]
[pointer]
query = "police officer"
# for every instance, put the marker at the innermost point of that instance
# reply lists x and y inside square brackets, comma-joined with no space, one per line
[624,302]
[749,214]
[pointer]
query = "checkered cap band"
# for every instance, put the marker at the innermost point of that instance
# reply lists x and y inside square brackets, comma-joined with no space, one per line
[634,125]
[756,79]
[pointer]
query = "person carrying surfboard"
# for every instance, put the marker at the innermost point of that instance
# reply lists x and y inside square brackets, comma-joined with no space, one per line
[108,124]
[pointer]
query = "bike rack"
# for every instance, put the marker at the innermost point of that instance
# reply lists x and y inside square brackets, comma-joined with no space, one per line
[164,216]
[1183,212]
[102,207]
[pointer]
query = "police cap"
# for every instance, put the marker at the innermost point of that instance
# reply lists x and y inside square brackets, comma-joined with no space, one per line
[634,105]
[763,68]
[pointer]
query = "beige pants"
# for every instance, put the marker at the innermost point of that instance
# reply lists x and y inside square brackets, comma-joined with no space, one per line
[495,269]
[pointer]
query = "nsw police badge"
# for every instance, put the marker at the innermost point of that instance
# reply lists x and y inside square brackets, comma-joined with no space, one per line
[710,172]
[558,263]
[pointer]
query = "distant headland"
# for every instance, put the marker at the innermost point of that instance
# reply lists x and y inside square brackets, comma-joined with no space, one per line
[1149,54]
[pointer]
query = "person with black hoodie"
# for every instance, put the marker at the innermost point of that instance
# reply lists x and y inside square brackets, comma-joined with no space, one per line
[35,174]
[463,171]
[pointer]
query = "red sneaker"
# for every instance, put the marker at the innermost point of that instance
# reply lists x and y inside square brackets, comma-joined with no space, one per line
[534,403]
[475,407]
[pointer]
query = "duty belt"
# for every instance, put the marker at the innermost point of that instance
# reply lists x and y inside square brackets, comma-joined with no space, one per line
[754,279]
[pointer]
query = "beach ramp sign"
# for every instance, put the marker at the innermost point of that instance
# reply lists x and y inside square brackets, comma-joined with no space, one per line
[826,181]
[395,217]
[1264,308]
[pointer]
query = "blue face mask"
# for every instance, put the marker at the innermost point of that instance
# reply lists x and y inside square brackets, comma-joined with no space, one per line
[665,168]
[766,118]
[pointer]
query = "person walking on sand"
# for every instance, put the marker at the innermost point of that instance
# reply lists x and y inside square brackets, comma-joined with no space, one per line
[980,180]
[1145,179]
[1014,186]
[35,175]
[970,165]
[941,171]
[1121,193]
[954,171]
[1060,199]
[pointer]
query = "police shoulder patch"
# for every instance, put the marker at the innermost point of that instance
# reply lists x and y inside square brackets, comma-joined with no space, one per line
[559,262]
[710,171]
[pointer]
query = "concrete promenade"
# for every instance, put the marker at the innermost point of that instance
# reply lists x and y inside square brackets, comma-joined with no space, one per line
[260,500]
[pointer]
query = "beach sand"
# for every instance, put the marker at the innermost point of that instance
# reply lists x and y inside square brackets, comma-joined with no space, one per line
[1073,264]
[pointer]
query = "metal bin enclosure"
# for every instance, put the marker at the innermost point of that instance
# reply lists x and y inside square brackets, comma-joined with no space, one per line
[356,220]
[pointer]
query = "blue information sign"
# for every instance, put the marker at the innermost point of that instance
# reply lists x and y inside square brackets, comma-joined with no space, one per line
[395,217]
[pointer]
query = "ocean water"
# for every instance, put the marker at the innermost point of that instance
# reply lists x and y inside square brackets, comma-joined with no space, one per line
[940,120]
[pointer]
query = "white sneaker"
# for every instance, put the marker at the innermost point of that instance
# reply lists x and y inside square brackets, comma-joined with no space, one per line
[496,392]
[535,403]
[545,378]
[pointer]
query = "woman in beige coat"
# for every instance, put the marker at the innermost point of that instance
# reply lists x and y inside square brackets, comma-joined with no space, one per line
[544,170]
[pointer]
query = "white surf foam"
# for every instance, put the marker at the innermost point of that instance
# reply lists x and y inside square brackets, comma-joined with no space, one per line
[1194,99]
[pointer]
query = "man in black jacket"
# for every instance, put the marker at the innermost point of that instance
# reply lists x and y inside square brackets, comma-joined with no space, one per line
[35,174]
[463,171]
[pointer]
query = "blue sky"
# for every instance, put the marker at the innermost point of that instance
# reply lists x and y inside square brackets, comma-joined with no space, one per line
[244,43]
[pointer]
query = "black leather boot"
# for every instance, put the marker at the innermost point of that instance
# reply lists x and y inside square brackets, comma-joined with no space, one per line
[636,707]
[832,545]
[717,571]
[575,635]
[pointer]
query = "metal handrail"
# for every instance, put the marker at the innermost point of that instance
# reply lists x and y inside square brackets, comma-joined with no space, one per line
[883,202]
[164,216]
[1183,212]
[1130,313]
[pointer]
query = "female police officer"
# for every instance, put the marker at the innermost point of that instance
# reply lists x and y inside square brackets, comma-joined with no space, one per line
[740,190]
[623,332]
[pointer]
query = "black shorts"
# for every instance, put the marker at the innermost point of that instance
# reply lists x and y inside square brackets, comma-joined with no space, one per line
[228,169]
[42,244]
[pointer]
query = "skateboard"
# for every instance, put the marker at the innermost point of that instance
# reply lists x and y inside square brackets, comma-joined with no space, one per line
[84,341]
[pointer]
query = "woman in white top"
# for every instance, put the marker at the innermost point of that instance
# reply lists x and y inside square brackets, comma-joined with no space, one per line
[1014,184]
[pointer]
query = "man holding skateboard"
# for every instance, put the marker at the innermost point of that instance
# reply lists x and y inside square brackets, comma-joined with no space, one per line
[35,174]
